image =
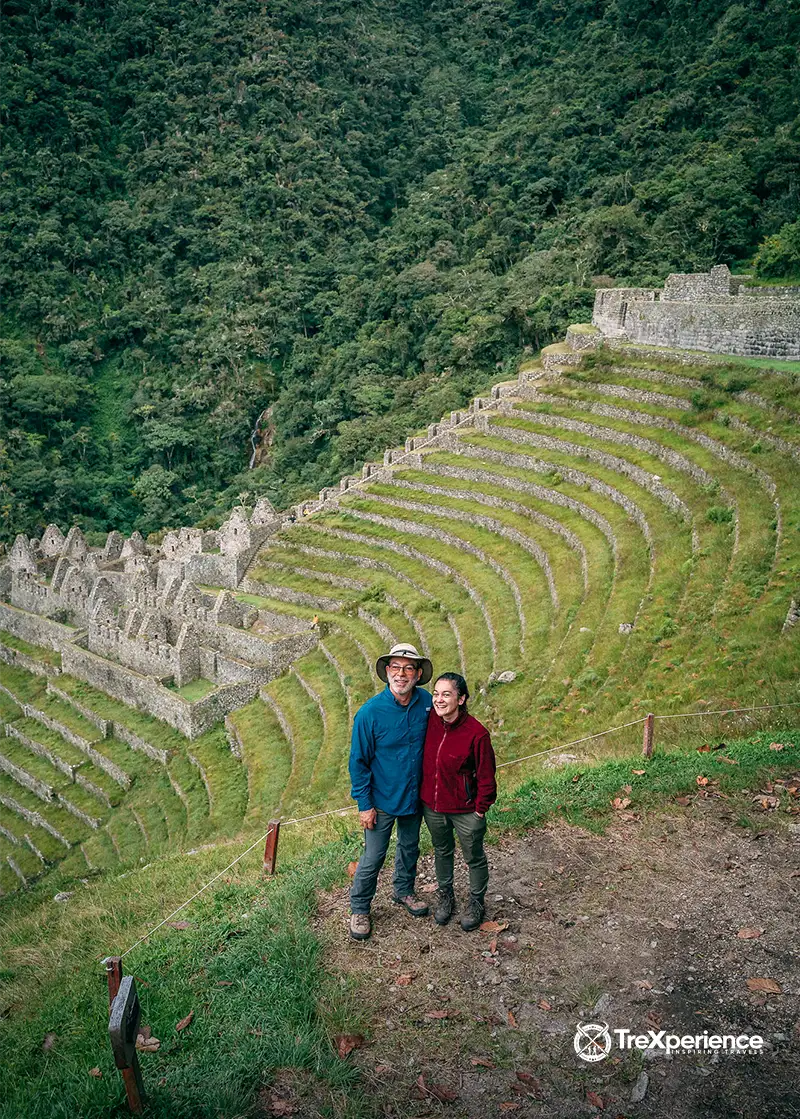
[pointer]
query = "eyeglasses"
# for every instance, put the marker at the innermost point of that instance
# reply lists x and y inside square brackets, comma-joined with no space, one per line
[407,669]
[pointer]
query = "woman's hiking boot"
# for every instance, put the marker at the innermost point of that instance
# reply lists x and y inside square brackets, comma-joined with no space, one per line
[414,906]
[473,915]
[360,926]
[443,905]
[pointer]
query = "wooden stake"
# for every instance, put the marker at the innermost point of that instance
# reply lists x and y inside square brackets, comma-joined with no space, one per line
[271,847]
[114,975]
[134,1086]
[647,747]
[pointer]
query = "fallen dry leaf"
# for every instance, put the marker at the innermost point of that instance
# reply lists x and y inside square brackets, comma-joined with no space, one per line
[430,888]
[644,984]
[639,772]
[595,1100]
[381,1070]
[145,1031]
[684,802]
[404,980]
[777,745]
[528,1078]
[484,1062]
[730,761]
[703,749]
[766,802]
[494,926]
[620,802]
[668,924]
[48,1043]
[702,781]
[180,925]
[346,1043]
[351,868]
[95,1072]
[749,934]
[147,1044]
[512,1021]
[184,1022]
[627,788]
[436,1091]
[543,1004]
[653,1020]
[769,986]
[224,983]
[436,1014]
[493,946]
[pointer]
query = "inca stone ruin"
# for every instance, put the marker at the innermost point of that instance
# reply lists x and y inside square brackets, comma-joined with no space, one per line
[712,311]
[139,622]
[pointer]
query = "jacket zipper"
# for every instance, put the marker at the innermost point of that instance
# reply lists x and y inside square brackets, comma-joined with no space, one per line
[436,771]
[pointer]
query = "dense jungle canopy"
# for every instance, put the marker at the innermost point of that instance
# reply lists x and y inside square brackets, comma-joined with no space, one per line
[353,214]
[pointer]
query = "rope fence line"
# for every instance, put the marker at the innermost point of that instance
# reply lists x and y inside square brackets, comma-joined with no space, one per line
[577,742]
[272,831]
[728,711]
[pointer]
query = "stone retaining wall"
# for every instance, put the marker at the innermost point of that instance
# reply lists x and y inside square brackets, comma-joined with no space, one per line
[235,741]
[103,725]
[610,462]
[34,818]
[111,768]
[39,789]
[30,664]
[42,751]
[551,496]
[35,629]
[136,743]
[286,594]
[577,477]
[429,561]
[747,326]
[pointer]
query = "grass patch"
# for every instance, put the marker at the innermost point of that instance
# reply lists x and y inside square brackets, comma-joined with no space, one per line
[194,690]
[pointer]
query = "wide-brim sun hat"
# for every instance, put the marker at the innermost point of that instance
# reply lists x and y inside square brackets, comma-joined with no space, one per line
[410,653]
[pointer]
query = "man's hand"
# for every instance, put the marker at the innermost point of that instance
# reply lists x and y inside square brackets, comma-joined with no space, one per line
[368,818]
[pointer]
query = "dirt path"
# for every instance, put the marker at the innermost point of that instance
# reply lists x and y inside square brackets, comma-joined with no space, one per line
[637,929]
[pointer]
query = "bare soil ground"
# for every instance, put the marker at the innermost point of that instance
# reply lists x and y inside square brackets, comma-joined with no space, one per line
[639,929]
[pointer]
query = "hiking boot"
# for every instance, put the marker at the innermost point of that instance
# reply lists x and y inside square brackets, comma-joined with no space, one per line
[443,905]
[414,906]
[360,926]
[473,915]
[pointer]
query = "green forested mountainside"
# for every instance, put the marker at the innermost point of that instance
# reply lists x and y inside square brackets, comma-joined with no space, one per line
[350,213]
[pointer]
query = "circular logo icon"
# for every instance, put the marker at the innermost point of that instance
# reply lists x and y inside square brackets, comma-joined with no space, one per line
[592,1041]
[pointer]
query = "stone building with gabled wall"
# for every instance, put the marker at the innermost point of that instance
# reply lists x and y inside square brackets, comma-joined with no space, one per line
[134,620]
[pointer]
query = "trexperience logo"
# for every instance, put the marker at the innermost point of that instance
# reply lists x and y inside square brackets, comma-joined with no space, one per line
[593,1042]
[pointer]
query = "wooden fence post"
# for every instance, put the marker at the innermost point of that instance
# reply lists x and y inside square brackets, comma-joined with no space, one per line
[114,976]
[647,747]
[271,846]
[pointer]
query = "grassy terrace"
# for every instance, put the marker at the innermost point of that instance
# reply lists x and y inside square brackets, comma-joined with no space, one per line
[36,652]
[708,596]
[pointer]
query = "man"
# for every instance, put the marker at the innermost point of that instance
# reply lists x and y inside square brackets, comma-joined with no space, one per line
[385,770]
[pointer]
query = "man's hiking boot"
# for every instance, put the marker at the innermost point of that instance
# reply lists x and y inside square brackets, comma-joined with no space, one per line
[443,905]
[473,916]
[360,926]
[414,906]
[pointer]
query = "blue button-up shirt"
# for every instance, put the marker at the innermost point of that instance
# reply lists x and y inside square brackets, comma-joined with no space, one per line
[386,752]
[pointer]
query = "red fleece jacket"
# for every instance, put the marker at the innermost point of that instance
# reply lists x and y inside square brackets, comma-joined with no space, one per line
[458,766]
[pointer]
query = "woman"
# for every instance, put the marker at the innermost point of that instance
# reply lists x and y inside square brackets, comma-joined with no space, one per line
[458,787]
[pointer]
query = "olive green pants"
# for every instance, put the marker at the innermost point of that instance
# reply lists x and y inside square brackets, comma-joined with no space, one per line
[470,829]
